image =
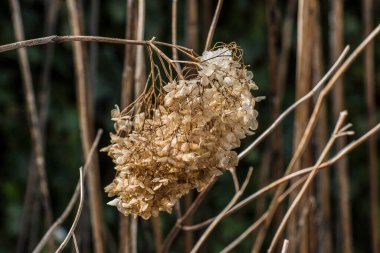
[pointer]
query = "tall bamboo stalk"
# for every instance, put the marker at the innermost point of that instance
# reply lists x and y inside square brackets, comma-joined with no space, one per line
[127,95]
[192,38]
[369,78]
[336,45]
[33,117]
[324,242]
[87,130]
[303,85]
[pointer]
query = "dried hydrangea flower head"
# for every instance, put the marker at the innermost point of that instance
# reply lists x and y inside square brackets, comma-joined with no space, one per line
[186,138]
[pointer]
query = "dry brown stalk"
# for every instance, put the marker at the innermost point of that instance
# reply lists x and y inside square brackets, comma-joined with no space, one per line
[76,247]
[303,84]
[324,242]
[339,131]
[243,235]
[312,121]
[127,95]
[344,217]
[285,246]
[33,117]
[174,32]
[291,108]
[222,213]
[72,201]
[77,216]
[139,85]
[52,8]
[369,78]
[86,130]
[157,234]
[175,229]
[211,31]
[140,77]
[192,38]
[284,179]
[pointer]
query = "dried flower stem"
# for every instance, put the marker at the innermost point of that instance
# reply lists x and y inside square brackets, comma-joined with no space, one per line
[222,213]
[293,175]
[338,132]
[72,201]
[370,94]
[86,130]
[285,246]
[213,25]
[177,227]
[77,216]
[243,235]
[174,31]
[291,108]
[175,230]
[34,121]
[312,122]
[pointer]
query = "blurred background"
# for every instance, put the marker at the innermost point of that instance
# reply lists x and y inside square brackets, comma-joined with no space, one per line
[270,34]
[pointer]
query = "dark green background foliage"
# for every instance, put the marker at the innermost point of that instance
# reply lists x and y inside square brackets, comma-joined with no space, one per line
[241,21]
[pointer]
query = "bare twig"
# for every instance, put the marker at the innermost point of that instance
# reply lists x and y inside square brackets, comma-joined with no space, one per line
[140,75]
[336,24]
[177,227]
[175,230]
[157,235]
[243,235]
[309,95]
[213,25]
[174,32]
[336,134]
[127,96]
[324,241]
[370,94]
[77,216]
[311,124]
[86,130]
[222,213]
[75,243]
[285,246]
[34,121]
[306,12]
[282,197]
[293,175]
[72,201]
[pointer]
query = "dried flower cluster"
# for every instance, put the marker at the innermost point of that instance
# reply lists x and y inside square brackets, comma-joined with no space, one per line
[186,140]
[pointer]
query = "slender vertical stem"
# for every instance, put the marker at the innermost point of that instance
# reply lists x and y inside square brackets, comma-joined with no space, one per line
[213,25]
[34,121]
[86,129]
[192,39]
[140,62]
[303,81]
[174,30]
[324,242]
[336,44]
[127,89]
[369,78]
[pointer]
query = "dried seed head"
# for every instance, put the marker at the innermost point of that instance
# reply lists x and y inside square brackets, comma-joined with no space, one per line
[186,140]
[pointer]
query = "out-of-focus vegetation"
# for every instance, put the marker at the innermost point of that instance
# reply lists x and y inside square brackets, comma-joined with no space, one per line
[242,21]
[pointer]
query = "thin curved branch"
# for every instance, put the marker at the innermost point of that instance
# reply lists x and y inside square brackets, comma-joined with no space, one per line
[293,175]
[213,25]
[77,216]
[222,213]
[310,94]
[72,201]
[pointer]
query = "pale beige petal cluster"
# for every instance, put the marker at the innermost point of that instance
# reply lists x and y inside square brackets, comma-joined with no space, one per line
[186,140]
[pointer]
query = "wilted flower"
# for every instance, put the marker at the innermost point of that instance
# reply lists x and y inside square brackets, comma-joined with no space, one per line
[186,140]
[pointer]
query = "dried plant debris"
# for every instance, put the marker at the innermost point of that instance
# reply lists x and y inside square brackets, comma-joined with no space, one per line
[186,138]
